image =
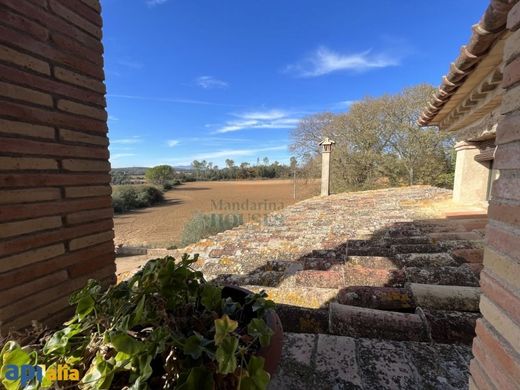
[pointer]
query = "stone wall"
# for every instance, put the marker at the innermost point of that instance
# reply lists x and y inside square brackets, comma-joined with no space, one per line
[55,207]
[497,345]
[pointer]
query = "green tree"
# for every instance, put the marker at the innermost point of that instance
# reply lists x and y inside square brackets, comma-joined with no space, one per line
[160,174]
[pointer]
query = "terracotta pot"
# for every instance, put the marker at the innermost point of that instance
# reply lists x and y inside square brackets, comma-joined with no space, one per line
[273,352]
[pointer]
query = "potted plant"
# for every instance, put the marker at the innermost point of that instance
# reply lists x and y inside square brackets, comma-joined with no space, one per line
[164,328]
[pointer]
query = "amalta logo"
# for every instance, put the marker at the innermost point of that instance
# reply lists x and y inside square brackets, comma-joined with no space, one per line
[26,373]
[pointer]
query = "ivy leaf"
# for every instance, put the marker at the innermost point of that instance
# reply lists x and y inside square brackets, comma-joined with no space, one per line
[12,355]
[59,341]
[226,359]
[85,307]
[257,378]
[200,378]
[258,328]
[99,375]
[223,326]
[138,315]
[194,346]
[123,342]
[211,297]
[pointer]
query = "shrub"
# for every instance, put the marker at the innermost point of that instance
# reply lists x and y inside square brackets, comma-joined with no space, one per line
[125,198]
[206,225]
[164,328]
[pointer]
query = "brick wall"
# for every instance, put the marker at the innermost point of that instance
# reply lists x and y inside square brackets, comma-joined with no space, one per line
[55,208]
[497,346]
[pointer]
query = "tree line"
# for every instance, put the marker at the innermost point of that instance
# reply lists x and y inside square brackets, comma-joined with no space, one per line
[378,144]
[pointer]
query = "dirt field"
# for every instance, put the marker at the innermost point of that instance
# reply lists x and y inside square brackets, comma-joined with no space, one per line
[162,225]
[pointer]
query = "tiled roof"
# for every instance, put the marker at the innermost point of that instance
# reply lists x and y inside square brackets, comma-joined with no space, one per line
[485,33]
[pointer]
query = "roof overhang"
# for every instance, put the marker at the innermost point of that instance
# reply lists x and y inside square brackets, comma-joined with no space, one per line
[471,85]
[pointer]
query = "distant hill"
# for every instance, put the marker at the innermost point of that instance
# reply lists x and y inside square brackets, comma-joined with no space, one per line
[140,171]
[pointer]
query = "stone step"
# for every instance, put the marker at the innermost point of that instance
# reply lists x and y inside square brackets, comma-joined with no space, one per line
[412,240]
[452,327]
[304,297]
[469,255]
[381,298]
[321,361]
[455,298]
[426,260]
[352,321]
[416,248]
[322,264]
[381,251]
[348,275]
[454,236]
[449,276]
[376,262]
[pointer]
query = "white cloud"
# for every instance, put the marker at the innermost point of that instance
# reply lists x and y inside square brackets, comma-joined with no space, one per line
[269,119]
[127,141]
[210,82]
[153,3]
[324,61]
[172,142]
[169,100]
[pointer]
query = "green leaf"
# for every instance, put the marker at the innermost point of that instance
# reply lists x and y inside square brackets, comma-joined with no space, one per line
[257,378]
[85,307]
[12,354]
[59,341]
[200,378]
[99,375]
[226,359]
[193,346]
[211,297]
[139,312]
[258,328]
[123,342]
[223,326]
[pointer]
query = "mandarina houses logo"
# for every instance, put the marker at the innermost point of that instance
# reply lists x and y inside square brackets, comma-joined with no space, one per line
[27,373]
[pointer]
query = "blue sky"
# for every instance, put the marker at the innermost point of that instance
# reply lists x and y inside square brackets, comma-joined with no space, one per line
[206,79]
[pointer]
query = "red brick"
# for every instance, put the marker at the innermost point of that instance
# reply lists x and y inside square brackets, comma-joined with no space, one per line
[29,195]
[93,239]
[88,191]
[26,129]
[511,73]
[94,4]
[72,17]
[34,210]
[29,147]
[80,137]
[50,179]
[507,186]
[77,165]
[513,18]
[493,372]
[51,86]
[21,59]
[12,38]
[85,11]
[85,267]
[42,313]
[40,239]
[23,24]
[478,375]
[81,109]
[21,163]
[509,128]
[501,295]
[80,80]
[53,263]
[504,241]
[33,286]
[12,229]
[507,156]
[39,116]
[72,46]
[507,213]
[497,347]
[469,255]
[26,94]
[45,18]
[89,215]
[10,264]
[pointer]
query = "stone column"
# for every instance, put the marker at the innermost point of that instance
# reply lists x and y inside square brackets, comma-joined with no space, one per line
[471,177]
[326,149]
